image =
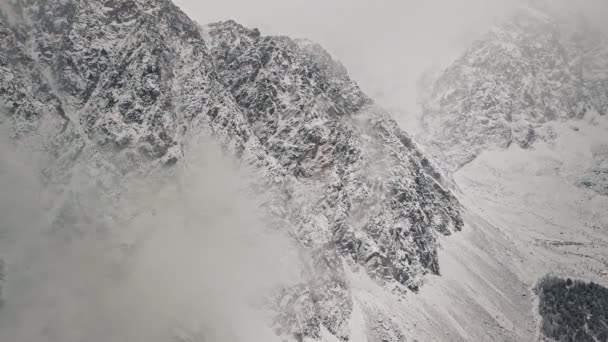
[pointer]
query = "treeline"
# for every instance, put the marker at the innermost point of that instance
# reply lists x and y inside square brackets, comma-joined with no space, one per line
[573,310]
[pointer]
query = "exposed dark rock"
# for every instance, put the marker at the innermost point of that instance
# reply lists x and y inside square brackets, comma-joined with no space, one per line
[126,84]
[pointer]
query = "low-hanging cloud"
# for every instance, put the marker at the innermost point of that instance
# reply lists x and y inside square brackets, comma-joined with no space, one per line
[188,259]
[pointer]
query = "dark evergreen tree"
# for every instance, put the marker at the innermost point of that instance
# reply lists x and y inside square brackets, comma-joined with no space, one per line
[573,310]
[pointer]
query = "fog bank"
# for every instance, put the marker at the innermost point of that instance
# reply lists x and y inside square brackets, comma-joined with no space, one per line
[186,260]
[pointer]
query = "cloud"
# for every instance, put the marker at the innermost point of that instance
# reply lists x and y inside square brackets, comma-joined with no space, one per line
[177,260]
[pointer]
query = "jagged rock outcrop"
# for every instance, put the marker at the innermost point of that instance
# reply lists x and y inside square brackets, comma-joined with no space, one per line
[125,84]
[325,132]
[533,68]
[596,178]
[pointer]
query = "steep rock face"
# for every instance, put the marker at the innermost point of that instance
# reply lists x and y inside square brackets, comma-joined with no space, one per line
[29,106]
[325,132]
[358,185]
[125,85]
[133,76]
[531,69]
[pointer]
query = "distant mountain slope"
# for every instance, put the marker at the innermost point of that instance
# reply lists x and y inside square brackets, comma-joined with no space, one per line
[533,68]
[520,120]
[124,86]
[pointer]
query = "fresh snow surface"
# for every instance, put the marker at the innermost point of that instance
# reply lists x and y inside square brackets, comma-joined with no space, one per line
[527,216]
[535,196]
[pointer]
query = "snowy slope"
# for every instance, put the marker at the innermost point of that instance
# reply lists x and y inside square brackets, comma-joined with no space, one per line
[541,203]
[526,217]
[520,120]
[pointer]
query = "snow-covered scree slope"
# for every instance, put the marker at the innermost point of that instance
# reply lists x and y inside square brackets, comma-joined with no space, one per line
[538,66]
[562,225]
[520,119]
[530,202]
[111,93]
[526,216]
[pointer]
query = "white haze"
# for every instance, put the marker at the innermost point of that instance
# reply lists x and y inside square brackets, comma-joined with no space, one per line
[386,45]
[192,256]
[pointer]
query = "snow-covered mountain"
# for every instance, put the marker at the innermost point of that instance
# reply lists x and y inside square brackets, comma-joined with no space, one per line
[123,224]
[520,120]
[122,88]
[538,66]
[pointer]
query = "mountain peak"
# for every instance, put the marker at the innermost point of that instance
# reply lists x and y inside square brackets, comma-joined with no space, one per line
[322,57]
[529,70]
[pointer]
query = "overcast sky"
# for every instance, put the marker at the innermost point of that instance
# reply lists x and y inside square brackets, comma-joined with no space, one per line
[385,44]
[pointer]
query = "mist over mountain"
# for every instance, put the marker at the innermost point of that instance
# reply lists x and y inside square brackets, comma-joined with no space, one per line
[116,93]
[168,180]
[534,68]
[516,85]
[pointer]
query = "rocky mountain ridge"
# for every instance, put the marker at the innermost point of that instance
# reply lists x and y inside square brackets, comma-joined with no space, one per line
[124,85]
